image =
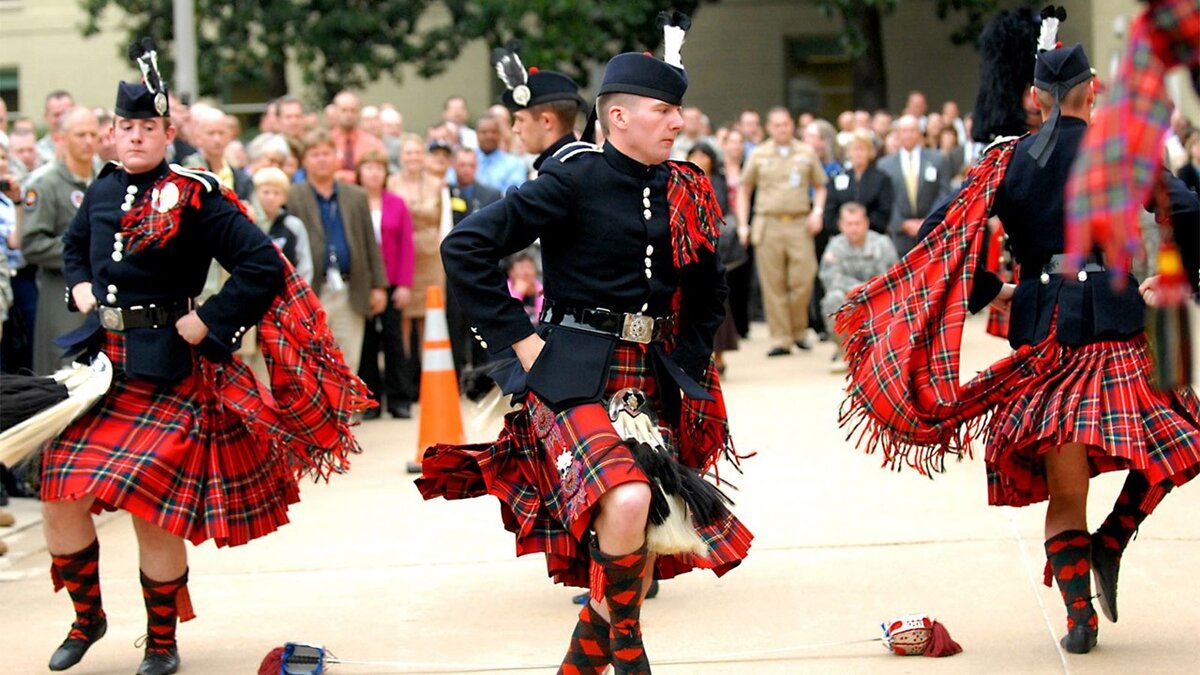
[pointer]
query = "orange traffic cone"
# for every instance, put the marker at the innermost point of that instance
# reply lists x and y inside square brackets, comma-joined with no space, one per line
[441,414]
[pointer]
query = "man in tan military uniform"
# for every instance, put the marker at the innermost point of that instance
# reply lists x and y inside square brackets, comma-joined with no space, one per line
[52,197]
[784,171]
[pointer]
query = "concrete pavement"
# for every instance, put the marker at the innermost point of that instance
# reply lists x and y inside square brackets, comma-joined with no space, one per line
[375,573]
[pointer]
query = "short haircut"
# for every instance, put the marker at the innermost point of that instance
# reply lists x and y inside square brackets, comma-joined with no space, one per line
[267,144]
[607,102]
[780,110]
[275,177]
[314,138]
[564,112]
[865,139]
[58,93]
[1075,97]
[288,99]
[851,208]
[464,150]
[204,114]
[68,117]
[453,97]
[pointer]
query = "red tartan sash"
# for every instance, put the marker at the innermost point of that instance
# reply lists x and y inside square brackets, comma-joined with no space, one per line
[904,333]
[695,220]
[150,223]
[1119,160]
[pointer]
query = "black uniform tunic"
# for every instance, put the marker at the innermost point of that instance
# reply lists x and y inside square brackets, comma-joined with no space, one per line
[602,218]
[173,272]
[1029,203]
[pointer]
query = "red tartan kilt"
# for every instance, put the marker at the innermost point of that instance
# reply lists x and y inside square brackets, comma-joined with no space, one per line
[170,455]
[550,470]
[1099,395]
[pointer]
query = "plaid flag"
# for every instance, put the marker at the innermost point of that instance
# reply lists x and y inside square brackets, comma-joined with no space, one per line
[1121,153]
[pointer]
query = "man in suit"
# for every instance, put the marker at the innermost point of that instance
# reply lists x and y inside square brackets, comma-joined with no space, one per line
[348,272]
[920,180]
[466,197]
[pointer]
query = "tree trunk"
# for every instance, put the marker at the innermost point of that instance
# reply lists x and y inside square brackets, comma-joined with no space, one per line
[870,71]
[275,72]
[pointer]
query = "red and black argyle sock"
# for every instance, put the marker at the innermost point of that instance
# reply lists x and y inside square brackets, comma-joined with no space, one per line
[166,602]
[589,652]
[1069,555]
[1136,501]
[79,573]
[623,593]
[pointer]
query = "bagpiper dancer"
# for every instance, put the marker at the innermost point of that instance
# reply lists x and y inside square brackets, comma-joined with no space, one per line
[1072,401]
[620,409]
[186,440]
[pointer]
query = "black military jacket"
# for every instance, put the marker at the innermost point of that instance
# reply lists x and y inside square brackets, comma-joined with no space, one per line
[602,219]
[173,272]
[1029,202]
[549,152]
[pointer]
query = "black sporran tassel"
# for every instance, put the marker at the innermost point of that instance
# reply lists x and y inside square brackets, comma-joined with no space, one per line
[23,396]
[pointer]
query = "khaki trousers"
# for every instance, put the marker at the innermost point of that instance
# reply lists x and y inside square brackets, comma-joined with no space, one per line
[346,324]
[787,267]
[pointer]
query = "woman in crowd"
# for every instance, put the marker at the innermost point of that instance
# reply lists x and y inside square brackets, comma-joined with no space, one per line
[861,182]
[739,279]
[823,138]
[422,193]
[393,232]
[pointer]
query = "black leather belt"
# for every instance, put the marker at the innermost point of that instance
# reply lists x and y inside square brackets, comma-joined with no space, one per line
[153,315]
[623,325]
[1058,263]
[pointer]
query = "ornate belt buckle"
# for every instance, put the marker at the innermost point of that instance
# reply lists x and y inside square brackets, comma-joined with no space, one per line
[638,328]
[112,318]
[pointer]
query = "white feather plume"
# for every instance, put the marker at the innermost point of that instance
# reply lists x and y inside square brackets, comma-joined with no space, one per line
[672,45]
[1049,35]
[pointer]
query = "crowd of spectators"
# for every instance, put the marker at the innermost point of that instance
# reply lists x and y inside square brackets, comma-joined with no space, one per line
[359,205]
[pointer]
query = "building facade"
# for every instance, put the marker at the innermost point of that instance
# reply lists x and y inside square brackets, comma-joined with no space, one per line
[740,54]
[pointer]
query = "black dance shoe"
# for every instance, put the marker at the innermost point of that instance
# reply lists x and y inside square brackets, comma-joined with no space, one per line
[1080,640]
[72,649]
[401,411]
[160,663]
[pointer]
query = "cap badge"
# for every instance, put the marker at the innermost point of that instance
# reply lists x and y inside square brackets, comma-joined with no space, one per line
[521,94]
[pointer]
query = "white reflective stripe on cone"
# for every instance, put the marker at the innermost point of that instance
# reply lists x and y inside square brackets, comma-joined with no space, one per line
[437,359]
[435,325]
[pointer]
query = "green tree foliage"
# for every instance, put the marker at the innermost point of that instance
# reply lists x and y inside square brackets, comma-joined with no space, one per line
[347,43]
[862,36]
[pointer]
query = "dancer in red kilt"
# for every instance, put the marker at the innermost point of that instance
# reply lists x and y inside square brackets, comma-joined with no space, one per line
[620,414]
[186,439]
[1075,398]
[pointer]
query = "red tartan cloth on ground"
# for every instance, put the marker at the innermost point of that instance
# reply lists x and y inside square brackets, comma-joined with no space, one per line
[1122,150]
[549,471]
[905,397]
[174,456]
